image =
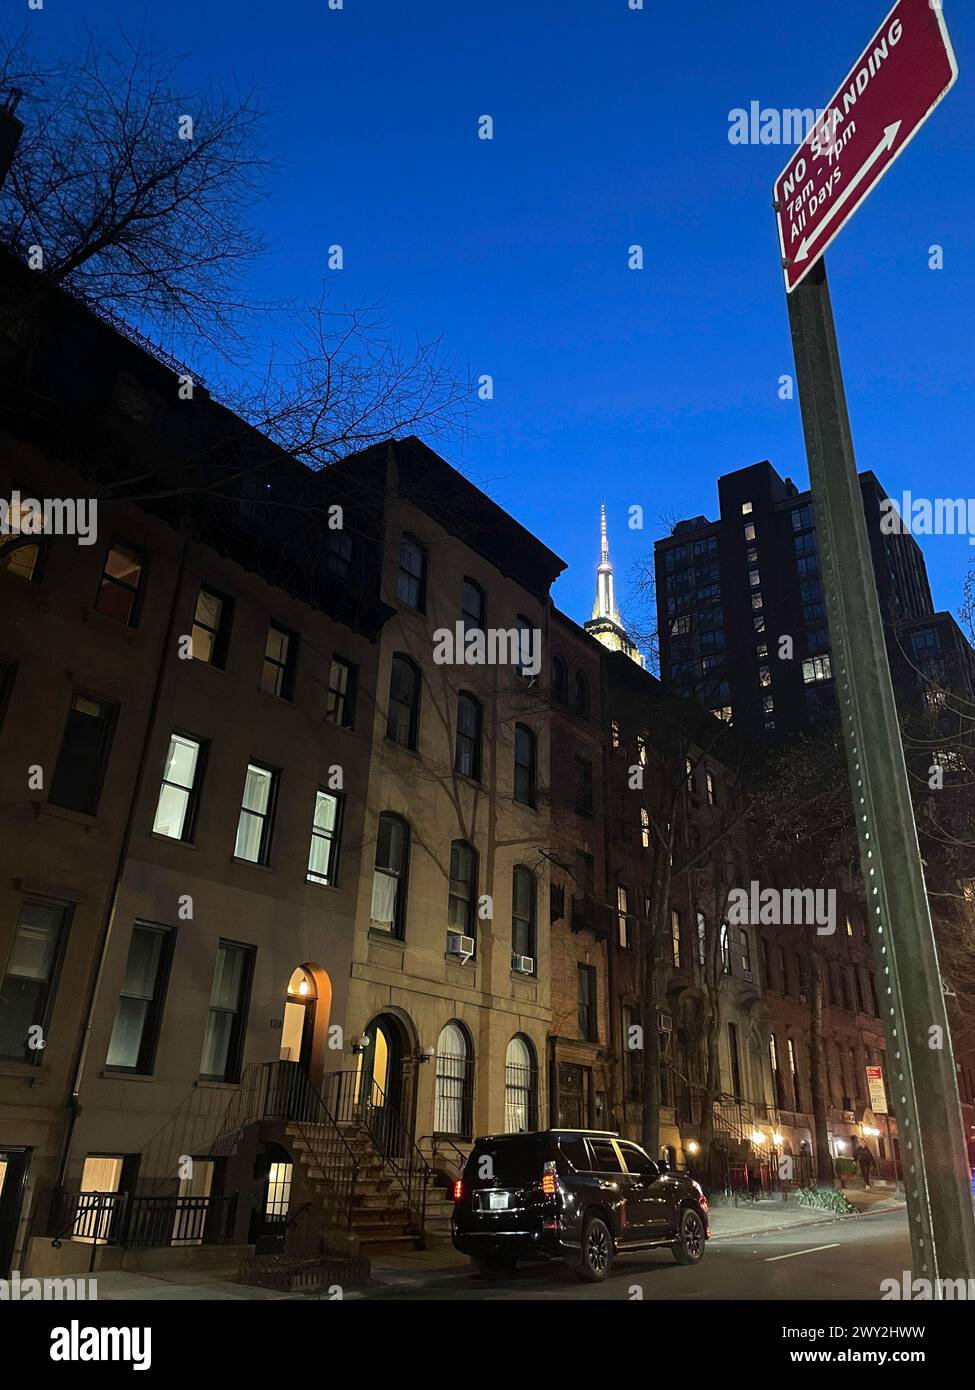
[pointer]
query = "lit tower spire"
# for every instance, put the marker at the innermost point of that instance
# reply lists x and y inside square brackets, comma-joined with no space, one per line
[605,624]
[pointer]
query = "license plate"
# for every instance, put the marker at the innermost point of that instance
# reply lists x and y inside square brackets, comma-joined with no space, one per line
[497,1201]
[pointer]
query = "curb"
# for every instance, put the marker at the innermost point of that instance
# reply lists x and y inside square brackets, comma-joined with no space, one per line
[824,1220]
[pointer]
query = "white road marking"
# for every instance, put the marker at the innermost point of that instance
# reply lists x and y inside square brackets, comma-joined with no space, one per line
[794,1253]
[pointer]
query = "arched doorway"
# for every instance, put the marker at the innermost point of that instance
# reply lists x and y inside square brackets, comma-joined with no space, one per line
[298,1025]
[379,1067]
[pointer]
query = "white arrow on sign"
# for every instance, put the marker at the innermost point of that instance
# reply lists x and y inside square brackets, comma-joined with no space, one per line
[887,143]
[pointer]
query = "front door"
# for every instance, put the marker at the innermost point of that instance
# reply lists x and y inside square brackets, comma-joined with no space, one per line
[14,1164]
[573,1107]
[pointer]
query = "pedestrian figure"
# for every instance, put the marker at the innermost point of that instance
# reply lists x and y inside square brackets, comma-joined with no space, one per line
[865,1160]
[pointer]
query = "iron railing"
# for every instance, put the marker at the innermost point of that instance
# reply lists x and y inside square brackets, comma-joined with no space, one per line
[117,1218]
[285,1093]
[356,1100]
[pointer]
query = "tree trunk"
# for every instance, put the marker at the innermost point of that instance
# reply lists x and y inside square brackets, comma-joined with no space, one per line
[824,1164]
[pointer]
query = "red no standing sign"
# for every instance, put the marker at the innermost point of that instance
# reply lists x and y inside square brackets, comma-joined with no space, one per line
[893,87]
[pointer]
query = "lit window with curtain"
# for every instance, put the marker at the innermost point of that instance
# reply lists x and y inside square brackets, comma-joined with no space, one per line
[520,1087]
[462,890]
[389,880]
[454,1083]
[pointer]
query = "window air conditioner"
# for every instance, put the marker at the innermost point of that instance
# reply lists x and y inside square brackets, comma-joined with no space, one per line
[523,965]
[462,946]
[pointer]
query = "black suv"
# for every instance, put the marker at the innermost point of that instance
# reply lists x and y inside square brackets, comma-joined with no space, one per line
[576,1195]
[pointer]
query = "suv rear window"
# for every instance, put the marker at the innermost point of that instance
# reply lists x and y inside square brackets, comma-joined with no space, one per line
[506,1163]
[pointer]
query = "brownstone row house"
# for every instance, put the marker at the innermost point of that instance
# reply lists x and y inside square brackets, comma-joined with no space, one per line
[300,888]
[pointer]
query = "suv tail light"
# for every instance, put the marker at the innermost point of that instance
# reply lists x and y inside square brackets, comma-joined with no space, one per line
[549,1184]
[458,1190]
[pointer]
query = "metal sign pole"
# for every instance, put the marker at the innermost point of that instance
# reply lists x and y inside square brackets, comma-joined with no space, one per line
[920,1064]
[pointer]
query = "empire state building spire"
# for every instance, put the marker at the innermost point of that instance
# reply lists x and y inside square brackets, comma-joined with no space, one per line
[605,624]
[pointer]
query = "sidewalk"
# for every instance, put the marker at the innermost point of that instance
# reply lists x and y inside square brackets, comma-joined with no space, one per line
[773,1214]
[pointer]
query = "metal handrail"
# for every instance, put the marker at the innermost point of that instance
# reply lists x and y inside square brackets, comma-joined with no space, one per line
[290,1096]
[362,1101]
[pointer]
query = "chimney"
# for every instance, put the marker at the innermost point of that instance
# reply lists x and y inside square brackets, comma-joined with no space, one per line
[11,129]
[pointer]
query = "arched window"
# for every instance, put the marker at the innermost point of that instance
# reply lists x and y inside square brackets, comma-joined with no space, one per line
[524,896]
[454,1095]
[462,893]
[520,1087]
[582,693]
[467,753]
[560,681]
[391,875]
[403,719]
[725,949]
[472,605]
[411,581]
[524,765]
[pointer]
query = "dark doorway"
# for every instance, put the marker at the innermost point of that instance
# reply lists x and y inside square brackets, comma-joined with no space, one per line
[14,1163]
[573,1099]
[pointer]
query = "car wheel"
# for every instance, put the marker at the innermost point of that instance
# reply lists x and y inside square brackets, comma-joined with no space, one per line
[597,1250]
[689,1247]
[487,1265]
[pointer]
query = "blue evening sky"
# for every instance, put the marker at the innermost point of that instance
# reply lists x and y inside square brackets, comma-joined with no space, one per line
[610,128]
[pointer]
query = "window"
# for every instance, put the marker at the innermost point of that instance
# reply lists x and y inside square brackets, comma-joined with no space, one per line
[802,518]
[411,581]
[462,889]
[746,508]
[343,679]
[623,920]
[326,827]
[794,1069]
[816,668]
[80,768]
[520,1087]
[389,881]
[179,793]
[560,681]
[339,555]
[140,1003]
[472,606]
[256,814]
[644,827]
[454,1083]
[750,531]
[675,937]
[523,908]
[777,1089]
[807,564]
[27,992]
[524,765]
[735,1058]
[402,722]
[581,693]
[119,590]
[586,986]
[702,939]
[210,634]
[605,1156]
[277,1200]
[227,1017]
[280,660]
[615,733]
[584,801]
[467,753]
[725,949]
[744,949]
[711,788]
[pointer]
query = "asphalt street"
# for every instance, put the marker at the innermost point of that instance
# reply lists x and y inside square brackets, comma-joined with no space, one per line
[843,1259]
